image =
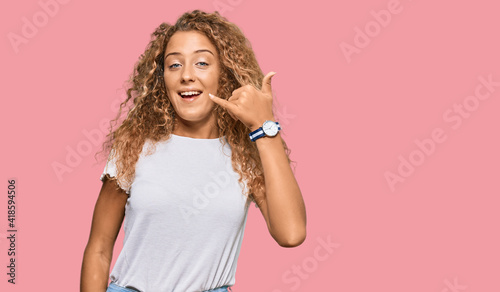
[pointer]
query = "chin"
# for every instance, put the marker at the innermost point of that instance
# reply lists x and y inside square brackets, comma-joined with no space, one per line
[193,116]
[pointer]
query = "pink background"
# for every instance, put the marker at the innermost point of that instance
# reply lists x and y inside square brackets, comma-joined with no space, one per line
[348,120]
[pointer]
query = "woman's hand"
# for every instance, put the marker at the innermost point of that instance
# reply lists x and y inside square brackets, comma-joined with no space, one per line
[250,105]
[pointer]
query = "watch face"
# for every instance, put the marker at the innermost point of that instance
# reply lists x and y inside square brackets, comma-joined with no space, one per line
[270,128]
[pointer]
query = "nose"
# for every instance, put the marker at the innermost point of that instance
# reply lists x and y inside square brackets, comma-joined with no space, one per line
[187,74]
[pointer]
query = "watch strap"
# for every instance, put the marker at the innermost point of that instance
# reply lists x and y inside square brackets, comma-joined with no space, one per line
[259,133]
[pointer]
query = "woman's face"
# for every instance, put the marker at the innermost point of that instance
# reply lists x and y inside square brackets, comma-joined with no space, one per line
[191,72]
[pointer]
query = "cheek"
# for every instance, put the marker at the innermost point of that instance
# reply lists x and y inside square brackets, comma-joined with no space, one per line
[168,85]
[212,80]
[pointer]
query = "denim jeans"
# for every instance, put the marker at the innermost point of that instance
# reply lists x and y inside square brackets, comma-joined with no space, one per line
[115,288]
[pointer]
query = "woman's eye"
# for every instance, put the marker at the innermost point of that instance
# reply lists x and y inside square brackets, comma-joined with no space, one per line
[203,63]
[174,66]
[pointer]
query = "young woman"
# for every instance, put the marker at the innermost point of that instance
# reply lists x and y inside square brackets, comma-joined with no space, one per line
[199,144]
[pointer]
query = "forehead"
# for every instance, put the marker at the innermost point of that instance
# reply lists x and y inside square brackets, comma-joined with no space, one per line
[186,42]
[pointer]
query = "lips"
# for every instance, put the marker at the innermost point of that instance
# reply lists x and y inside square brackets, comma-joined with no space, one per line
[190,93]
[190,96]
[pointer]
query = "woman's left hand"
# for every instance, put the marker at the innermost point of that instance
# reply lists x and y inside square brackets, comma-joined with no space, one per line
[249,105]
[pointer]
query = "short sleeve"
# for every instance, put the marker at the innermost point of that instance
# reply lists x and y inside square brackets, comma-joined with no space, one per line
[110,169]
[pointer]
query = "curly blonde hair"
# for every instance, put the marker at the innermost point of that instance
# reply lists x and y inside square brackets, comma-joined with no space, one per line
[151,116]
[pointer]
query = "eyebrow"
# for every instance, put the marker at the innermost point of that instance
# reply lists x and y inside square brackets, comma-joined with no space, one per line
[195,52]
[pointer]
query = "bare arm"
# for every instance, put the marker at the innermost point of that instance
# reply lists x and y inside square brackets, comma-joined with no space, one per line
[282,206]
[106,223]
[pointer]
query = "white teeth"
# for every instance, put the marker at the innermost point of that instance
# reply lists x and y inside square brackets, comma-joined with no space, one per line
[190,93]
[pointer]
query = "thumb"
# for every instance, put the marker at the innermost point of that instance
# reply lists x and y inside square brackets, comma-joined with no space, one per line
[266,83]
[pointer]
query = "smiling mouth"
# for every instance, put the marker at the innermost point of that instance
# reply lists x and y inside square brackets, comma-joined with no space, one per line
[190,94]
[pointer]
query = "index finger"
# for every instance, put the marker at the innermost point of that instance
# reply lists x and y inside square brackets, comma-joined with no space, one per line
[231,107]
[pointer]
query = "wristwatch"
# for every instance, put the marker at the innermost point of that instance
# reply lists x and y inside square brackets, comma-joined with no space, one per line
[269,128]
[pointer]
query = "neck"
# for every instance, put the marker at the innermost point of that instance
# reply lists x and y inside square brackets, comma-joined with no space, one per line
[198,129]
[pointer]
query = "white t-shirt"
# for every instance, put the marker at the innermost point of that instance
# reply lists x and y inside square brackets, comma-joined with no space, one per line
[184,218]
